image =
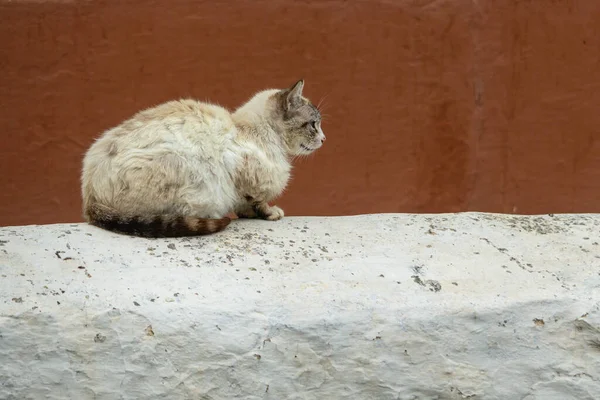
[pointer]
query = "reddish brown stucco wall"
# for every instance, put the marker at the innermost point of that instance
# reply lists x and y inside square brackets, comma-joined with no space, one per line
[432,106]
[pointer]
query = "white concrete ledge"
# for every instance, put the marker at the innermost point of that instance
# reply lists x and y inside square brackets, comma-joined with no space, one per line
[453,306]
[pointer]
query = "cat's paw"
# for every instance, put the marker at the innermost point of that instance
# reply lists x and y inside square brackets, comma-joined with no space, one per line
[274,213]
[246,214]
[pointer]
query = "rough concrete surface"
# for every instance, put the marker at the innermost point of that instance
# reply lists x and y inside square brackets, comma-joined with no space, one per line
[451,306]
[430,105]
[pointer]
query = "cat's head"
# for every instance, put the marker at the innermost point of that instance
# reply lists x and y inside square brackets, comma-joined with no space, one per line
[299,120]
[290,114]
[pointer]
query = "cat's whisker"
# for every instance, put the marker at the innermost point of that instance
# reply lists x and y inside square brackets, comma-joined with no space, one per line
[321,104]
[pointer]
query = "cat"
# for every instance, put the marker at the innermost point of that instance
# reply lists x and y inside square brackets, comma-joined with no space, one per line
[180,168]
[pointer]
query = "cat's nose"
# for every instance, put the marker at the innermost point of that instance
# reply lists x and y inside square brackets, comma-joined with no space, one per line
[323,139]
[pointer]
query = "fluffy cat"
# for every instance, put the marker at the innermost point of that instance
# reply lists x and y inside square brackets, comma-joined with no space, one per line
[179,168]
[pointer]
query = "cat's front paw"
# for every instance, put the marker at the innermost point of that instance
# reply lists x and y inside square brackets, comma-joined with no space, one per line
[274,213]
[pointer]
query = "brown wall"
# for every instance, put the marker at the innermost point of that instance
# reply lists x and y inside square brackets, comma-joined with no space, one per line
[432,106]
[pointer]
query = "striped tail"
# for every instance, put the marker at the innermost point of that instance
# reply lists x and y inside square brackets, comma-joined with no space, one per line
[153,226]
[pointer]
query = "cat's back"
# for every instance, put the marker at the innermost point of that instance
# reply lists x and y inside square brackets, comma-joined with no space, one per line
[187,109]
[177,117]
[178,126]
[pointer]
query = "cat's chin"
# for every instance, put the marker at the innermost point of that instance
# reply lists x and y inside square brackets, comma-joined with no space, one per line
[306,149]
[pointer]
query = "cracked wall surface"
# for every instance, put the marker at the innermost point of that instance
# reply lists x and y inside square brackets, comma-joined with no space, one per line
[432,106]
[450,306]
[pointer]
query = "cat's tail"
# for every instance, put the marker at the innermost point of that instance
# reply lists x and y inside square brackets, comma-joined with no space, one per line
[153,226]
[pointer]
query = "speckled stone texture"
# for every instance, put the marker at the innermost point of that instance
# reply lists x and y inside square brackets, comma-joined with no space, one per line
[390,306]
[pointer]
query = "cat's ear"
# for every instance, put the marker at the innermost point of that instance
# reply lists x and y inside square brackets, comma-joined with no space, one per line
[294,95]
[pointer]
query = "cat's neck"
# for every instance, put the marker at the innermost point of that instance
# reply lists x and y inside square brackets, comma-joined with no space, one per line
[257,128]
[259,132]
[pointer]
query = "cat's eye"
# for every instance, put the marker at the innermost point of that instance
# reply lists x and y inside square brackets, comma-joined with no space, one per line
[313,124]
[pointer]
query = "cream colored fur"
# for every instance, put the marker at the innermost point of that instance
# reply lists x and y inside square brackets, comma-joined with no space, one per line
[193,159]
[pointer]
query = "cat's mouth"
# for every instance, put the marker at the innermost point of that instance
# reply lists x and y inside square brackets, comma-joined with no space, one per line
[306,148]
